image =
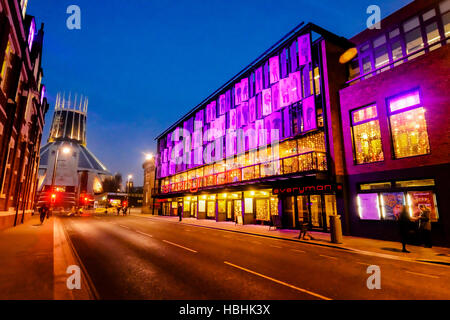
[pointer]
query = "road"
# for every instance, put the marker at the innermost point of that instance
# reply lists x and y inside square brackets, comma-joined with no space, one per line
[134,257]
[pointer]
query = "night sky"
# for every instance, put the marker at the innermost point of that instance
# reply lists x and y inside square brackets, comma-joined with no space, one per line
[145,63]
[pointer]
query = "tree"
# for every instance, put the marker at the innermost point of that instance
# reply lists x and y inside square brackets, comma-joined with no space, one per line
[112,184]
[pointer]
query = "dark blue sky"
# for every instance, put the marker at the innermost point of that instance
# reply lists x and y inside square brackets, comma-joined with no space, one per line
[145,63]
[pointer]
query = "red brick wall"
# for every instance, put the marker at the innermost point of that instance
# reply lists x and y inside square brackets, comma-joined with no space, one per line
[430,73]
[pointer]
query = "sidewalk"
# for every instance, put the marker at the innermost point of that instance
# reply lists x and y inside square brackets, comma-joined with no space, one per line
[381,248]
[26,261]
[33,263]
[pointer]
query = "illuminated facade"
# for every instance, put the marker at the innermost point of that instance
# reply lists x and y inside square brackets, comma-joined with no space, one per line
[67,168]
[22,110]
[395,115]
[269,128]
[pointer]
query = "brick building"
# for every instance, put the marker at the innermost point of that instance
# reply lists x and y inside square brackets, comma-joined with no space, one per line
[22,109]
[395,119]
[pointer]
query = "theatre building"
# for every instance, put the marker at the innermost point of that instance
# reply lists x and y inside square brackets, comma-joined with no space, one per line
[395,112]
[268,142]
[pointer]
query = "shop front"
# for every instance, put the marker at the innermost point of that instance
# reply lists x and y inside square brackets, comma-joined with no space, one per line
[311,204]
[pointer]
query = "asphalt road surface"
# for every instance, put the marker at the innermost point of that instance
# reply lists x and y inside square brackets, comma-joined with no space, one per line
[134,257]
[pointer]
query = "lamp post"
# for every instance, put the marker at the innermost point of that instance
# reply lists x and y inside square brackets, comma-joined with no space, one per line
[130,176]
[65,150]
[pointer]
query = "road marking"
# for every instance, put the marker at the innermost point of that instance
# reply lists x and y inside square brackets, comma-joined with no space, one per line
[121,225]
[177,245]
[145,234]
[276,246]
[188,230]
[423,275]
[278,281]
[296,250]
[330,257]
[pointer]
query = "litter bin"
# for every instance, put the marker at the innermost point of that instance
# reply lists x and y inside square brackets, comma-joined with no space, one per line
[336,229]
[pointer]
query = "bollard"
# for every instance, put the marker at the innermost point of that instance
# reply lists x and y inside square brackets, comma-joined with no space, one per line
[335,229]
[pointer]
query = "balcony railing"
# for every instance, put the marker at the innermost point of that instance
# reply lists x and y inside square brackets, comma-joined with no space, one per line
[299,163]
[402,59]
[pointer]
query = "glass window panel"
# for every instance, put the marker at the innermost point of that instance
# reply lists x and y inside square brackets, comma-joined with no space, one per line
[404,101]
[375,186]
[397,52]
[363,114]
[274,206]
[411,24]
[353,69]
[414,42]
[415,183]
[248,205]
[367,140]
[420,201]
[290,165]
[379,41]
[394,33]
[381,57]
[429,14]
[288,148]
[444,6]
[211,212]
[392,204]
[262,209]
[432,35]
[367,65]
[316,210]
[409,133]
[302,207]
[446,24]
[368,206]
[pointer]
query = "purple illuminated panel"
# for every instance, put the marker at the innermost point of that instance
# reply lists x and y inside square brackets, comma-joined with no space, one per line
[31,34]
[227,100]
[293,56]
[244,88]
[266,102]
[276,97]
[262,136]
[237,94]
[252,109]
[285,92]
[404,101]
[232,119]
[304,49]
[309,114]
[222,104]
[274,64]
[259,80]
[295,87]
[283,63]
[368,206]
[42,94]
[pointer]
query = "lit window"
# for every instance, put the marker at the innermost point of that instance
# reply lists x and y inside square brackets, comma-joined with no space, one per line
[6,61]
[408,126]
[366,135]
[368,206]
[413,36]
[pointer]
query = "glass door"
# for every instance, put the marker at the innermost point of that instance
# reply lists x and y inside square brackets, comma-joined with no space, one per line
[230,215]
[316,210]
[302,207]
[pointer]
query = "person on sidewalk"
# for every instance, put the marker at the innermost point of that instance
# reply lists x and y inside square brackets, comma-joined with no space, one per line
[404,225]
[180,212]
[118,210]
[43,211]
[425,225]
[304,229]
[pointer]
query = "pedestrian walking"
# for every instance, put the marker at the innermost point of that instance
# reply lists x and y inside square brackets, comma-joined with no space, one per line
[425,225]
[118,210]
[180,212]
[124,210]
[43,212]
[304,234]
[404,226]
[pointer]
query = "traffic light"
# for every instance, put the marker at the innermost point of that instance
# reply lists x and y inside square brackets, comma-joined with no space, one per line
[53,197]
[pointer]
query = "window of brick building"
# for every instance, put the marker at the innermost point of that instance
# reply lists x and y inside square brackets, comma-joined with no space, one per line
[366,135]
[408,125]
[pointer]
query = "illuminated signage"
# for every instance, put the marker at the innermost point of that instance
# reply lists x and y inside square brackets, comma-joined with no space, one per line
[307,189]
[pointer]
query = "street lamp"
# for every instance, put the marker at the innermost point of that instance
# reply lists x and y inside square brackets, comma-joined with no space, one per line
[65,150]
[148,156]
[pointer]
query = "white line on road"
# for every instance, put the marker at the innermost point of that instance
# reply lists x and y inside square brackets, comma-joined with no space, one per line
[279,282]
[423,275]
[121,225]
[296,250]
[275,246]
[330,257]
[177,245]
[145,234]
